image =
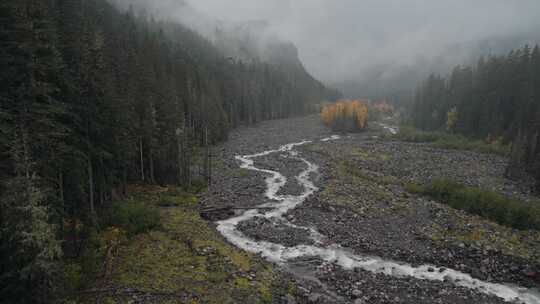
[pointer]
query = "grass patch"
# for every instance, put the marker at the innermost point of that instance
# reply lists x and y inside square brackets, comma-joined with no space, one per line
[493,206]
[451,141]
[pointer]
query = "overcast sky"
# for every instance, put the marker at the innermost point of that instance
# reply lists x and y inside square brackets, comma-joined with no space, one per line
[339,39]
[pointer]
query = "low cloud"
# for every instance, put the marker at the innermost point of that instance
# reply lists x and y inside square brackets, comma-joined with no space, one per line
[343,40]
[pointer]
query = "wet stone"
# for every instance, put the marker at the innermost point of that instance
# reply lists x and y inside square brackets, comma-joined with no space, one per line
[275,231]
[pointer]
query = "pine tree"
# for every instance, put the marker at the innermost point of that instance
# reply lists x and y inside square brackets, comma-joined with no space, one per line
[32,111]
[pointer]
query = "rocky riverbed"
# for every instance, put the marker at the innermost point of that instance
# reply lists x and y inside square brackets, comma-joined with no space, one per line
[362,207]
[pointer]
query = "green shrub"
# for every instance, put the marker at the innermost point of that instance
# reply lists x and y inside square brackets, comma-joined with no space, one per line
[442,189]
[487,204]
[411,134]
[197,186]
[133,217]
[413,188]
[462,143]
[86,268]
[73,278]
[450,141]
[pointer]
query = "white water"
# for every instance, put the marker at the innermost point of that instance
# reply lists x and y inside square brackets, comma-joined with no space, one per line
[392,130]
[333,137]
[334,253]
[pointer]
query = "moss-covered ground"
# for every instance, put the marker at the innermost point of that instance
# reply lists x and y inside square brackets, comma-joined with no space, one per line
[183,261]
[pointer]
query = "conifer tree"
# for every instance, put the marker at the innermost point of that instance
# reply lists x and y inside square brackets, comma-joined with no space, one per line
[33,133]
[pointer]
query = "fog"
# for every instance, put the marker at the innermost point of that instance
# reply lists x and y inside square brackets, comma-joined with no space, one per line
[346,40]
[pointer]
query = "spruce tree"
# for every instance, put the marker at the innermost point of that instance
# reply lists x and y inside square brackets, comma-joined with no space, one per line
[31,68]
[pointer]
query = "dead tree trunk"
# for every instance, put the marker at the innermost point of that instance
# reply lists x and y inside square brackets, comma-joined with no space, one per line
[207,159]
[152,177]
[141,157]
[179,160]
[91,186]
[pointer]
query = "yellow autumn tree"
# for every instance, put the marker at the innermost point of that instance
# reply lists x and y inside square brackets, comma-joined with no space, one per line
[451,119]
[346,115]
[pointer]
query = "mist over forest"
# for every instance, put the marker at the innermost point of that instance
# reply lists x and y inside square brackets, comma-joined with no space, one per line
[369,49]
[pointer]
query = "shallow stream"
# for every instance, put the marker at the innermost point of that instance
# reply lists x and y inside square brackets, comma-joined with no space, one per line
[333,253]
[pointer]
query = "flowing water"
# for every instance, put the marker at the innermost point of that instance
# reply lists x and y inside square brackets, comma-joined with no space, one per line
[280,254]
[391,129]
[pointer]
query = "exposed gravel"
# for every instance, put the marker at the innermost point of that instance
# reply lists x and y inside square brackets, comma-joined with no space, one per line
[246,188]
[362,287]
[401,238]
[262,229]
[421,163]
[371,214]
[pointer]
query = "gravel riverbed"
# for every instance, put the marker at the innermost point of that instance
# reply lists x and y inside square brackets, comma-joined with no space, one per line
[362,206]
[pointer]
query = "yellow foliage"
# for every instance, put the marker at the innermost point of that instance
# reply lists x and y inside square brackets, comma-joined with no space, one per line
[113,236]
[452,117]
[346,115]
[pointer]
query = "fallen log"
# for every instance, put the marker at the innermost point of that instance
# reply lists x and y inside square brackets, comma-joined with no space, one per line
[217,213]
[221,213]
[129,292]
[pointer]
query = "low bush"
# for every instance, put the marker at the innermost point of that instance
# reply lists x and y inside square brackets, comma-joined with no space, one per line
[414,188]
[73,278]
[451,141]
[462,143]
[132,216]
[197,186]
[410,134]
[498,208]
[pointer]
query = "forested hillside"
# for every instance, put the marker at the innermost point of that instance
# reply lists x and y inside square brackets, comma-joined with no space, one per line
[93,99]
[498,98]
[397,82]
